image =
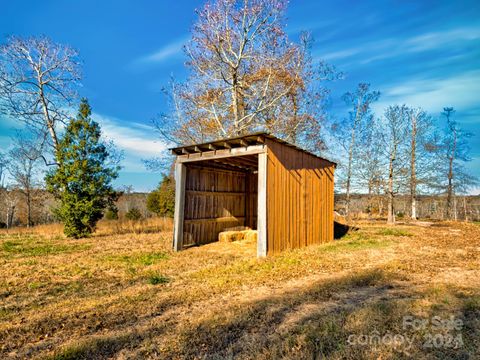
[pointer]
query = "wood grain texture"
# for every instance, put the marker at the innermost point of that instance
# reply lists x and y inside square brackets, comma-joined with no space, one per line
[216,200]
[299,198]
[180,178]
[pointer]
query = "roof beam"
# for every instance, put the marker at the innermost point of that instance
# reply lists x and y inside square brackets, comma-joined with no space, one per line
[222,153]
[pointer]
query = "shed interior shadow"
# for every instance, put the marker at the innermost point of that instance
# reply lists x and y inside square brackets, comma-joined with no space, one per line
[220,195]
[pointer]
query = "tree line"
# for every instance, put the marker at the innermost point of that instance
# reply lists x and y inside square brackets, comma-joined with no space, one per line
[404,152]
[245,74]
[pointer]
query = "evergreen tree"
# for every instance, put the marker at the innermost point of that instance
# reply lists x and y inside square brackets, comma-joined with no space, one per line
[162,200]
[82,180]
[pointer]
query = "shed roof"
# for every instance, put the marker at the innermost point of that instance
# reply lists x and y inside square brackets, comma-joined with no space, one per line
[236,142]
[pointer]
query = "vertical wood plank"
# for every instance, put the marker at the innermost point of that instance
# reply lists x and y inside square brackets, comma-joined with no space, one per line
[180,177]
[262,205]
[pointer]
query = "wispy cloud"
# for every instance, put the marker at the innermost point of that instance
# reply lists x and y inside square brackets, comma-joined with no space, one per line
[394,47]
[341,54]
[433,40]
[460,90]
[138,141]
[165,53]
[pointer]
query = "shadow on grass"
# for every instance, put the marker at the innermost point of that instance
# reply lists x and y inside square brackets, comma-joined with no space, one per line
[314,321]
[105,330]
[340,230]
[317,322]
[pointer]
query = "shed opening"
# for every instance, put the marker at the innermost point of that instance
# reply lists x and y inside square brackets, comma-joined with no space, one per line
[220,195]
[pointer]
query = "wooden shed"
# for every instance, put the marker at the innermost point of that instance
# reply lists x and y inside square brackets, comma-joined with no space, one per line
[256,181]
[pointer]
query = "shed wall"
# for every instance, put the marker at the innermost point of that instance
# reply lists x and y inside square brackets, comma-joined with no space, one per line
[299,198]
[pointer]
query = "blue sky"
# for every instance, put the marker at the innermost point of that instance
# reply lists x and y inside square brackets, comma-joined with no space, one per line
[422,53]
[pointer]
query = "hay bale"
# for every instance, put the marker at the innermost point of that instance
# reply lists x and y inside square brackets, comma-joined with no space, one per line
[229,236]
[233,235]
[250,235]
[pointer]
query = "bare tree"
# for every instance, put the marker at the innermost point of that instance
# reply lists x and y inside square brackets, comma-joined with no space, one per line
[396,131]
[413,162]
[23,168]
[10,200]
[245,75]
[3,188]
[457,152]
[368,165]
[38,81]
[451,145]
[423,151]
[359,121]
[3,169]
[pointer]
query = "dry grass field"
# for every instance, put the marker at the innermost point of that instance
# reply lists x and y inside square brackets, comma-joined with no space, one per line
[124,294]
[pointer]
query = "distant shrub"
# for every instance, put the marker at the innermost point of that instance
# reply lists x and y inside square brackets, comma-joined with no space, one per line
[161,201]
[111,214]
[2,225]
[133,214]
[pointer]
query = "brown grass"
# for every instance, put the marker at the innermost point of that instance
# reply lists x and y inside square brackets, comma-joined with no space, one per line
[124,294]
[104,227]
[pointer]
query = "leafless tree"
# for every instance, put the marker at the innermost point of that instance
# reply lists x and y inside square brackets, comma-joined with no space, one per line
[359,122]
[10,200]
[245,75]
[396,131]
[23,169]
[38,81]
[456,153]
[3,188]
[451,145]
[423,151]
[368,163]
[3,169]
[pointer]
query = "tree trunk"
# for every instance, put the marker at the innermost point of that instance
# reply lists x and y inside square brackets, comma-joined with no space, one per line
[390,205]
[413,174]
[450,176]
[450,188]
[349,171]
[29,209]
[350,158]
[237,101]
[455,215]
[10,214]
[465,215]
[46,114]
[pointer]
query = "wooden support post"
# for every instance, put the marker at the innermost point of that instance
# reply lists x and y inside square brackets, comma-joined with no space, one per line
[262,205]
[180,176]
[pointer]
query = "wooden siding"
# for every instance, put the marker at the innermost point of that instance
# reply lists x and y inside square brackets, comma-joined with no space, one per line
[251,198]
[216,199]
[299,198]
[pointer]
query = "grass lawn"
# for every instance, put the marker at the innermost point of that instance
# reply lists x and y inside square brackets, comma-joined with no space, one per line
[124,294]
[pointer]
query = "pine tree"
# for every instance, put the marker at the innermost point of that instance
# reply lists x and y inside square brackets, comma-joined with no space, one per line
[82,180]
